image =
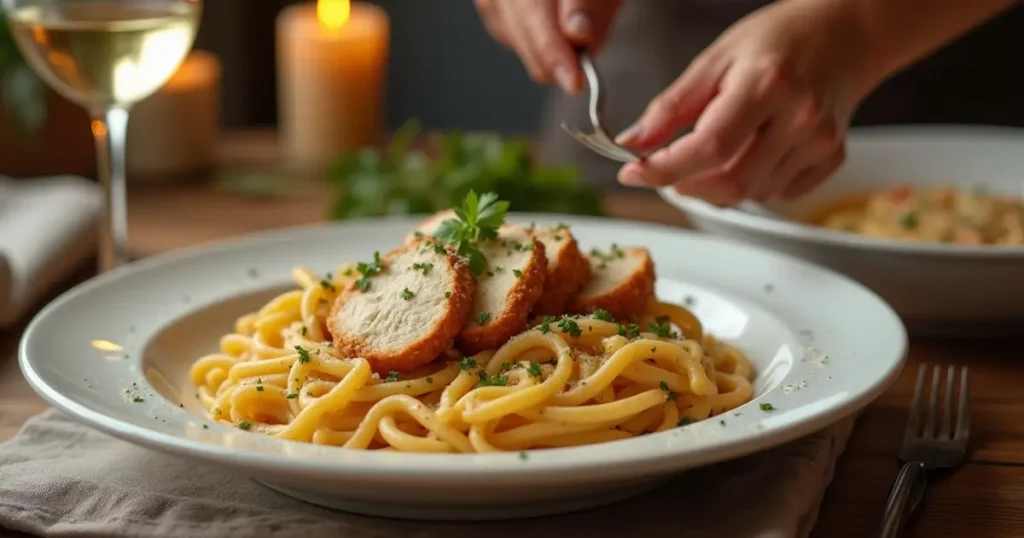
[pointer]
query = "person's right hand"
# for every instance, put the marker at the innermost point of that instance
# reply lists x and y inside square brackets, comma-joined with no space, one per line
[544,32]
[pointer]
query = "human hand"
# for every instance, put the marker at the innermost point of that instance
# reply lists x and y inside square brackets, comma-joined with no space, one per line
[544,32]
[770,102]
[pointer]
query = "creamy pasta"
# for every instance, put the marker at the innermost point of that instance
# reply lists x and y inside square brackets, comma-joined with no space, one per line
[571,380]
[939,214]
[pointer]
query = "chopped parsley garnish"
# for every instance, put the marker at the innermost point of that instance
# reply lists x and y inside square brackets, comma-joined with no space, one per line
[407,294]
[517,273]
[663,386]
[304,330]
[326,284]
[685,421]
[348,272]
[722,422]
[561,226]
[423,268]
[664,330]
[430,379]
[138,399]
[617,252]
[523,455]
[467,363]
[910,220]
[392,377]
[492,381]
[483,318]
[447,295]
[630,331]
[368,270]
[602,315]
[245,426]
[569,326]
[418,234]
[303,354]
[689,300]
[767,407]
[545,325]
[534,369]
[506,366]
[478,219]
[259,388]
[292,396]
[205,427]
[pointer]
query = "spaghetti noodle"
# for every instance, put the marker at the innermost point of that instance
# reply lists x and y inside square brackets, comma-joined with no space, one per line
[565,382]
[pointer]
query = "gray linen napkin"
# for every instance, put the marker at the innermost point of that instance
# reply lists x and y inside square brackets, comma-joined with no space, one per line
[59,478]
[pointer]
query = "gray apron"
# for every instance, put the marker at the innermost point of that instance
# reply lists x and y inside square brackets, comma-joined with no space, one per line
[977,79]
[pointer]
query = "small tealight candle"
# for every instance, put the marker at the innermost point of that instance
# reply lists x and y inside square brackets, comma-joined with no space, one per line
[175,130]
[331,59]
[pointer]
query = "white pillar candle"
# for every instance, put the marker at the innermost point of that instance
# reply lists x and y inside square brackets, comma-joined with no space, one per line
[175,130]
[331,60]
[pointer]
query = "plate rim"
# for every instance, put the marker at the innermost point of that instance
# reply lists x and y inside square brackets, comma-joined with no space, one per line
[506,466]
[801,232]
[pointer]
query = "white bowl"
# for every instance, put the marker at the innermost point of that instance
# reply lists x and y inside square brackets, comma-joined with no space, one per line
[165,312]
[934,287]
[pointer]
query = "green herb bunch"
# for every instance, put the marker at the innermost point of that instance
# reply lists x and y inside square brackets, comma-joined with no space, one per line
[22,93]
[402,179]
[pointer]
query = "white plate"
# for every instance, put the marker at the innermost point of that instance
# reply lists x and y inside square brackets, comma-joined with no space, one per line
[935,287]
[823,347]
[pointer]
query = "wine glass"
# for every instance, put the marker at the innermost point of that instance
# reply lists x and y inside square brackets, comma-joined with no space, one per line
[105,55]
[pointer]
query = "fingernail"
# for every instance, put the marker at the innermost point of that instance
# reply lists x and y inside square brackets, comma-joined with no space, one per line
[629,136]
[630,176]
[565,80]
[578,25]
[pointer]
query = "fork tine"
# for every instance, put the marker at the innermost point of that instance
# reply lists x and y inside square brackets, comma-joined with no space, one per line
[933,403]
[963,419]
[947,407]
[914,415]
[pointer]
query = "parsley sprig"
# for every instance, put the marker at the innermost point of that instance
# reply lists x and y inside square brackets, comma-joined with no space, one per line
[368,270]
[477,220]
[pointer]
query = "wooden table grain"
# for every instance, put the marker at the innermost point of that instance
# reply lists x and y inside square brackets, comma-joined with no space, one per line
[983,499]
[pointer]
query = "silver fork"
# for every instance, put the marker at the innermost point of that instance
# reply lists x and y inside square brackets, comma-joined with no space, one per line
[929,448]
[599,141]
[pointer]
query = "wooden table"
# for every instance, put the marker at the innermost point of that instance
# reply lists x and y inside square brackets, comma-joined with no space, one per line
[983,499]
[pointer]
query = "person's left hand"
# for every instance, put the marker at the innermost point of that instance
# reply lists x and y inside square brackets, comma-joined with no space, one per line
[769,101]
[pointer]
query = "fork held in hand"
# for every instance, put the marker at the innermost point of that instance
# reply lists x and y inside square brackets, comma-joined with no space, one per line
[599,141]
[932,445]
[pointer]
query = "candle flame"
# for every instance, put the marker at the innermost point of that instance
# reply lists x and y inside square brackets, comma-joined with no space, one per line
[333,14]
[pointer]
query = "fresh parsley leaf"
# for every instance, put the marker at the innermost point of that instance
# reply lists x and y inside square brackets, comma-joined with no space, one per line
[326,284]
[292,396]
[245,426]
[492,381]
[767,407]
[663,330]
[392,377]
[467,363]
[630,331]
[534,369]
[569,326]
[423,268]
[303,354]
[407,294]
[685,421]
[545,326]
[602,315]
[517,273]
[483,319]
[368,271]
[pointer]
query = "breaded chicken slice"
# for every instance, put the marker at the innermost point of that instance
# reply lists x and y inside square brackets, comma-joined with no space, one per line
[408,312]
[508,292]
[622,283]
[568,269]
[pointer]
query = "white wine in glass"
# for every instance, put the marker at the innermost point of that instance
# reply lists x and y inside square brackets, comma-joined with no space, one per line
[106,55]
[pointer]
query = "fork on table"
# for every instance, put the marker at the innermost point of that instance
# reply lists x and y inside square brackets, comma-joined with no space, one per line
[928,445]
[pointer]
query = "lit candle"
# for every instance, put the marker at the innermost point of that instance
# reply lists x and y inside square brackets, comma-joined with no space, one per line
[331,60]
[175,130]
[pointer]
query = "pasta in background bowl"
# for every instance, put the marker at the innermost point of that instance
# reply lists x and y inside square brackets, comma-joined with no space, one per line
[929,217]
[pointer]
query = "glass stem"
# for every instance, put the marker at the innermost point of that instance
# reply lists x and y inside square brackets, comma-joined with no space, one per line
[110,128]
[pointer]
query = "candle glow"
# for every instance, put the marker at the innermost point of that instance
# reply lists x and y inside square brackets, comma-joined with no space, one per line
[333,14]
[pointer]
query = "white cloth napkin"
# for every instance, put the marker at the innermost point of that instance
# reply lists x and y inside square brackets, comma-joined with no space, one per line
[47,228]
[61,479]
